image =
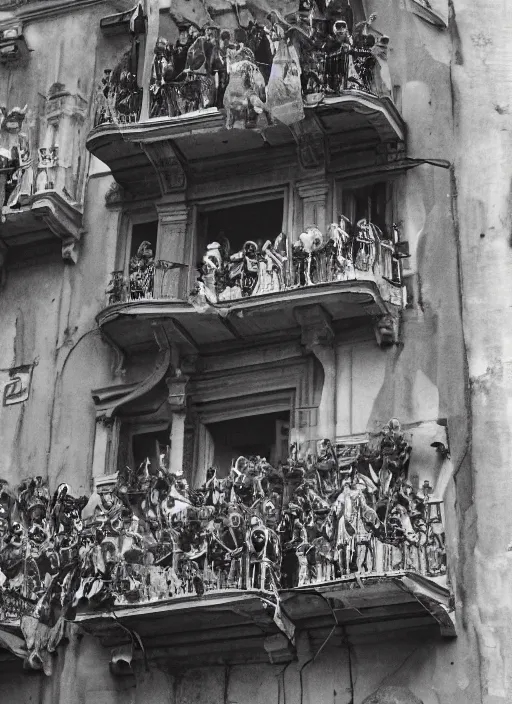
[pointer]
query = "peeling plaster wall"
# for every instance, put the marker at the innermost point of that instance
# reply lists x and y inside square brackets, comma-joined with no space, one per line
[418,662]
[48,315]
[482,35]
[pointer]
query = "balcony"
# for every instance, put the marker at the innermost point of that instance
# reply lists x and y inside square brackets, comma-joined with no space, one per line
[336,100]
[246,553]
[257,291]
[41,186]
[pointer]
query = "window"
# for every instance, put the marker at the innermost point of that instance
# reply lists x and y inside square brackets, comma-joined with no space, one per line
[139,443]
[368,203]
[143,232]
[257,222]
[266,435]
[135,277]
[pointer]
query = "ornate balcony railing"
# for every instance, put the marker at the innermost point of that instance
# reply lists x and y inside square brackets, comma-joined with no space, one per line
[147,280]
[315,258]
[363,254]
[259,75]
[146,536]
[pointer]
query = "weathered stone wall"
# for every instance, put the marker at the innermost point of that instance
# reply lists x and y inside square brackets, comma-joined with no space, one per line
[482,91]
[422,665]
[48,316]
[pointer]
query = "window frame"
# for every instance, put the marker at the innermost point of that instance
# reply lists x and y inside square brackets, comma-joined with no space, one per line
[205,204]
[129,218]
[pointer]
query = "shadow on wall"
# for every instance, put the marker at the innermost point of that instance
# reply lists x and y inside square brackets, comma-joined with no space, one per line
[392,695]
[87,366]
[424,377]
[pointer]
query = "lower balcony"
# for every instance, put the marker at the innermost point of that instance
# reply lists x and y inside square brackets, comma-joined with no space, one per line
[340,536]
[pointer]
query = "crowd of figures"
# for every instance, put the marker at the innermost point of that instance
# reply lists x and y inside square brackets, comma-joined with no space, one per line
[24,170]
[345,252]
[147,536]
[259,73]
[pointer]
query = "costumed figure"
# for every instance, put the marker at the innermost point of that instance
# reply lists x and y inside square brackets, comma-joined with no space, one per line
[142,272]
[338,252]
[124,95]
[161,70]
[15,171]
[337,57]
[312,241]
[381,83]
[198,89]
[264,556]
[245,95]
[366,245]
[363,56]
[244,268]
[117,288]
[272,260]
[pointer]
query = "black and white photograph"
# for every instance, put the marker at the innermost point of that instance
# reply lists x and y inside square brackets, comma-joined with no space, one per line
[255,351]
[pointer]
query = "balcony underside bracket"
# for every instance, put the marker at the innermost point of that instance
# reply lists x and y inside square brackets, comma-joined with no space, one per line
[310,140]
[108,401]
[61,218]
[167,165]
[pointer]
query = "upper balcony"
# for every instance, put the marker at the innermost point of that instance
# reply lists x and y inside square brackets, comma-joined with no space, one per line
[313,91]
[337,536]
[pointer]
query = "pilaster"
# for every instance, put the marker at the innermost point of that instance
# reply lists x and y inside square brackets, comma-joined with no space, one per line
[318,338]
[172,250]
[313,195]
[105,446]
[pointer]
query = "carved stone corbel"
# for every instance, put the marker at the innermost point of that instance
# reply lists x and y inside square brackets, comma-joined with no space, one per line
[115,195]
[318,339]
[387,329]
[310,140]
[13,46]
[177,385]
[168,169]
[70,250]
[109,400]
[63,219]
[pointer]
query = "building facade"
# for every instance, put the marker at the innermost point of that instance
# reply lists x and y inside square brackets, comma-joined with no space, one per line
[254,352]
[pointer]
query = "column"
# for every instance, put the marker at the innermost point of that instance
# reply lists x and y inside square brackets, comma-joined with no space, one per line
[314,203]
[173,253]
[318,338]
[177,441]
[177,403]
[106,439]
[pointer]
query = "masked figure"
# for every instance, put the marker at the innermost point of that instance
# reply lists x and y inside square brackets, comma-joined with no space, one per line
[366,245]
[245,95]
[244,269]
[142,273]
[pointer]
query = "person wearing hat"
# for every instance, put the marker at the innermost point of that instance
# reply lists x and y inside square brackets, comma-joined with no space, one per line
[181,48]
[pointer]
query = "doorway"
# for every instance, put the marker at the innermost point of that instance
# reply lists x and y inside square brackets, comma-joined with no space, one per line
[266,435]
